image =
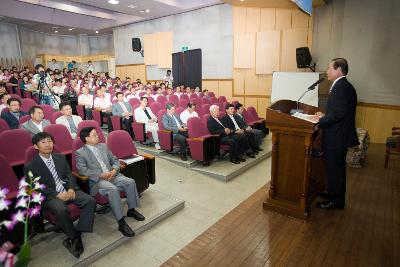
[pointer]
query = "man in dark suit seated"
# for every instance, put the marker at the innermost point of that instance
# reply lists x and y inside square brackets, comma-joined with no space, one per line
[236,142]
[60,190]
[37,122]
[231,121]
[124,110]
[258,134]
[179,130]
[14,113]
[339,132]
[97,162]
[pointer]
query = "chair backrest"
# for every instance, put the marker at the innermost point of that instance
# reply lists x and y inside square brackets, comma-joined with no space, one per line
[183,102]
[47,110]
[162,99]
[91,123]
[155,107]
[55,116]
[159,119]
[134,101]
[27,103]
[184,96]
[24,119]
[193,95]
[174,99]
[205,109]
[120,144]
[8,177]
[31,152]
[213,100]
[205,119]
[150,100]
[3,125]
[62,137]
[16,96]
[196,127]
[246,116]
[197,102]
[252,113]
[222,99]
[76,144]
[13,144]
[211,94]
[179,110]
[142,94]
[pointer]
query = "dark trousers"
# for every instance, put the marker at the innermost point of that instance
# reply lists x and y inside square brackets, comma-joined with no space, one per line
[237,144]
[181,139]
[127,122]
[251,139]
[109,122]
[59,208]
[335,167]
[88,114]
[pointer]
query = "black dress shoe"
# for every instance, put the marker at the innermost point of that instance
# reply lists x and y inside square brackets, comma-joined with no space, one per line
[235,161]
[260,149]
[324,195]
[135,214]
[72,247]
[240,158]
[126,230]
[251,155]
[183,157]
[329,205]
[79,245]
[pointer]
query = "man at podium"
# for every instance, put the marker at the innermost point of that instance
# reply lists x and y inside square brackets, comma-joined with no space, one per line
[339,132]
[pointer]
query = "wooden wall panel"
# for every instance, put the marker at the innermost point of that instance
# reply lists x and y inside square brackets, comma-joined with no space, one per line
[239,20]
[291,39]
[238,81]
[164,49]
[283,19]
[211,86]
[239,99]
[225,89]
[250,82]
[264,85]
[299,19]
[150,46]
[132,71]
[262,104]
[267,52]
[251,101]
[267,19]
[252,20]
[244,46]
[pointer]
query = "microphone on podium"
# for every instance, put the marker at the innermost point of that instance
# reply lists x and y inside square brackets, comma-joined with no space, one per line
[312,87]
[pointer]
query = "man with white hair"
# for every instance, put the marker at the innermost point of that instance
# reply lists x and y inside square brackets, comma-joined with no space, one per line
[236,142]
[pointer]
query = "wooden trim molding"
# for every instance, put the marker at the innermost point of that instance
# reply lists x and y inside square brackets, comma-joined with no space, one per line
[126,65]
[381,106]
[217,80]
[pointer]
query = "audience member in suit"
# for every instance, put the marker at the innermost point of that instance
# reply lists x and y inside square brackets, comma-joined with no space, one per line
[14,113]
[124,110]
[37,122]
[97,162]
[143,114]
[103,103]
[179,130]
[231,121]
[68,119]
[60,190]
[236,142]
[339,132]
[258,134]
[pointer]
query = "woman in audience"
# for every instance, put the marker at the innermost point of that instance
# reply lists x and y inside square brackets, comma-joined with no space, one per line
[24,84]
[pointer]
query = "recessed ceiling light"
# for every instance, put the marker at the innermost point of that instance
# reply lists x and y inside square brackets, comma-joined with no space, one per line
[55,27]
[55,31]
[70,29]
[131,6]
[113,2]
[147,11]
[97,31]
[141,11]
[241,0]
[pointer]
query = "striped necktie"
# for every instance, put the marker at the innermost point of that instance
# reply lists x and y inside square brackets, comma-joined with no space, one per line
[99,158]
[59,183]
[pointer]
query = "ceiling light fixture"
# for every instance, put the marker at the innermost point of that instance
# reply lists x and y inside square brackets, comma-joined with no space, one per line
[113,2]
[70,29]
[131,6]
[55,31]
[55,27]
[97,31]
[147,11]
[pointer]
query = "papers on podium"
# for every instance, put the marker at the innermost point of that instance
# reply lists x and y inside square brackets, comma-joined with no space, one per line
[131,159]
[306,117]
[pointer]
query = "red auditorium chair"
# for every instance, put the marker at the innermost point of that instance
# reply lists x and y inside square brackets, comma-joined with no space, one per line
[120,144]
[204,109]
[3,125]
[55,116]
[218,145]
[91,123]
[174,99]
[197,102]
[213,100]
[252,118]
[156,107]
[162,100]
[62,137]
[200,141]
[24,119]
[8,178]
[184,96]
[16,96]
[179,110]
[165,136]
[31,152]
[211,94]
[47,110]
[134,102]
[193,96]
[183,102]
[81,111]
[27,103]
[150,100]
[13,144]
[222,99]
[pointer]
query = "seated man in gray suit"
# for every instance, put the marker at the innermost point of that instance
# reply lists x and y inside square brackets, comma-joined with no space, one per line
[124,110]
[97,162]
[36,124]
[173,123]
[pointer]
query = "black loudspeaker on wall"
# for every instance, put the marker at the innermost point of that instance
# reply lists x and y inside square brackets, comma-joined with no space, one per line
[303,58]
[136,45]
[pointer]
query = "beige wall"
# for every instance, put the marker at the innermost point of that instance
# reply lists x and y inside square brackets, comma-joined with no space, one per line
[134,71]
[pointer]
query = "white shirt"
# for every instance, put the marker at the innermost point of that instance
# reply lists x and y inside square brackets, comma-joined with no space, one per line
[177,122]
[168,78]
[234,122]
[86,100]
[54,66]
[59,90]
[337,79]
[219,122]
[2,106]
[178,94]
[39,126]
[102,103]
[90,67]
[185,115]
[140,116]
[122,104]
[154,97]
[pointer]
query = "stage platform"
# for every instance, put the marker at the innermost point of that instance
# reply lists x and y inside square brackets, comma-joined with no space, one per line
[47,249]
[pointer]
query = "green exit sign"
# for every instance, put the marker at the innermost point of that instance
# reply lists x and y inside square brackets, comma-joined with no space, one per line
[185,48]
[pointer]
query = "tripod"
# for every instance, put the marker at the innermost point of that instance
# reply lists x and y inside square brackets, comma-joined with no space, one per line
[43,98]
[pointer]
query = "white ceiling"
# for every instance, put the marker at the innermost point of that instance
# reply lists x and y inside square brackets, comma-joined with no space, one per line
[87,16]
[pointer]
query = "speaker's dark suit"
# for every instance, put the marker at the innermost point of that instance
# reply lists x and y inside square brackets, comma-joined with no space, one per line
[55,205]
[339,133]
[236,142]
[11,120]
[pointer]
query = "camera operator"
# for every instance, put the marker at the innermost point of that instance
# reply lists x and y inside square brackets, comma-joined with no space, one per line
[42,81]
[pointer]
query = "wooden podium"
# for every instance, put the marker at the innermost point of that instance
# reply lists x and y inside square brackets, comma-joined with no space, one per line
[297,169]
